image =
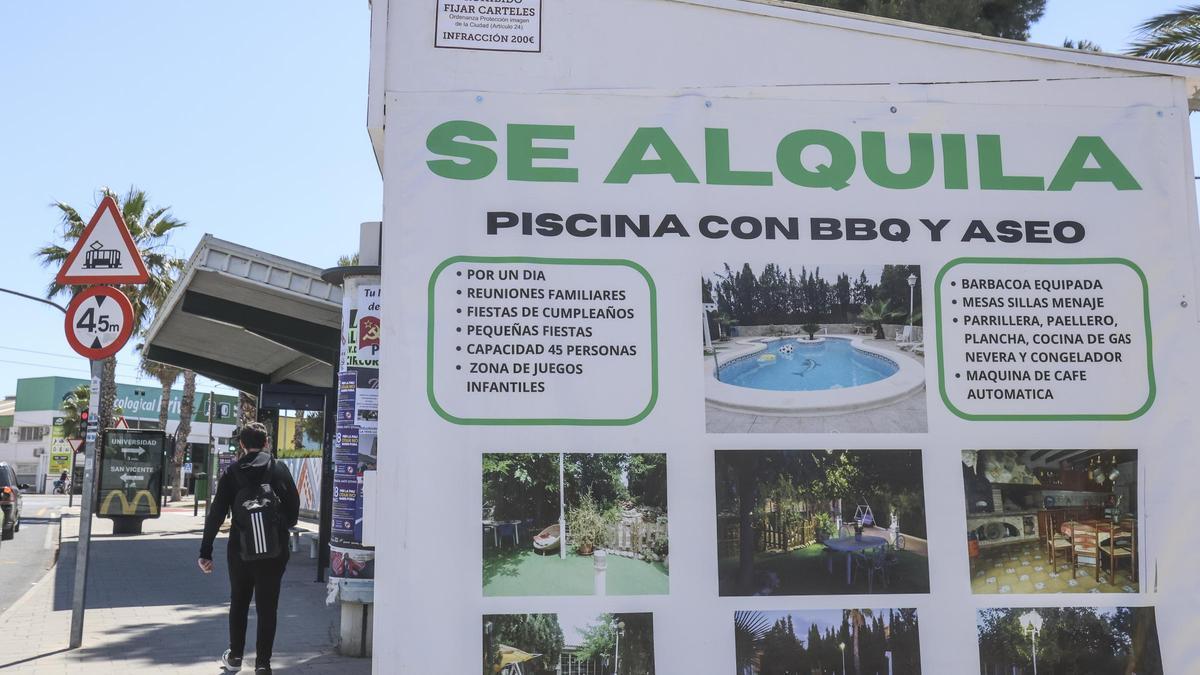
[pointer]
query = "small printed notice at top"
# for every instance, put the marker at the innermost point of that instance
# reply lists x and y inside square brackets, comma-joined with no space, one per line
[492,25]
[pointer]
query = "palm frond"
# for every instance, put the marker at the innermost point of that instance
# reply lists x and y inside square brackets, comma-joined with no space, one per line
[749,631]
[133,207]
[1174,36]
[1179,45]
[1180,17]
[51,253]
[72,222]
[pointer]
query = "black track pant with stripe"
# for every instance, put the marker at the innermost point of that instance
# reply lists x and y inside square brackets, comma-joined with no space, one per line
[261,580]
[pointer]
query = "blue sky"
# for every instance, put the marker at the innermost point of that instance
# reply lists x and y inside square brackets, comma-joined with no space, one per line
[248,118]
[824,619]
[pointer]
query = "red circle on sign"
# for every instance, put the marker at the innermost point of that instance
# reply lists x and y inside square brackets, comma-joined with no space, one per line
[122,302]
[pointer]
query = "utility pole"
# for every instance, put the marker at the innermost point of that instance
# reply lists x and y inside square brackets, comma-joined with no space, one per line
[87,502]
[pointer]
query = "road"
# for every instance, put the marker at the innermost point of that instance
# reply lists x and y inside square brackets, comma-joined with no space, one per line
[25,558]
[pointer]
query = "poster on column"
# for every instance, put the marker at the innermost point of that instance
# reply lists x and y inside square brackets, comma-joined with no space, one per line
[355,447]
[682,370]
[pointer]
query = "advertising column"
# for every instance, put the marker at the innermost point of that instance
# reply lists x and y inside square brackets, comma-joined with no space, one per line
[355,438]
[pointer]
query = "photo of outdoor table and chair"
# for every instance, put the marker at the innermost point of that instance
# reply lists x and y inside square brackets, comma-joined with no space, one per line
[1052,521]
[821,522]
[574,524]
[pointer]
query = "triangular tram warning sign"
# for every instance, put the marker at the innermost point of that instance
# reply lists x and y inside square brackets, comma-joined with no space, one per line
[105,253]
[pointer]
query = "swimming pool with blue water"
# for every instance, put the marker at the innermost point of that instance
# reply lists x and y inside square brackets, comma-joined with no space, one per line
[792,365]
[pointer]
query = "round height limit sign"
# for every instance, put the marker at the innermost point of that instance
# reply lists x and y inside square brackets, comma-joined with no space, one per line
[99,322]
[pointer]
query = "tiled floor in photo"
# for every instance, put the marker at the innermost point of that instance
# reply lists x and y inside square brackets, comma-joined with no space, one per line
[1025,568]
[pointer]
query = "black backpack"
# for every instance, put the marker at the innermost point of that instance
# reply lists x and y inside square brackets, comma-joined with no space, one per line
[256,513]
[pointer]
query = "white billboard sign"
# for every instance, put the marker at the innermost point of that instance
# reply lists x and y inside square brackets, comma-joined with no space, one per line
[950,349]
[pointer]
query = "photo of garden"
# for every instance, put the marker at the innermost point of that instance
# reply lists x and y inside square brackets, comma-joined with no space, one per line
[575,524]
[1069,641]
[813,348]
[842,641]
[568,643]
[821,522]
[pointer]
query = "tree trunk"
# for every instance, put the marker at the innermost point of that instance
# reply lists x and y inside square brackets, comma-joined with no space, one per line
[186,411]
[108,392]
[164,402]
[747,488]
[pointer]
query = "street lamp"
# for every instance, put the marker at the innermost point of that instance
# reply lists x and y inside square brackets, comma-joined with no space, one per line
[912,284]
[1031,622]
[619,628]
[842,646]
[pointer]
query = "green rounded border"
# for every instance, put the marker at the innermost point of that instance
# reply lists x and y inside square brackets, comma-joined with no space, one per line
[937,301]
[544,421]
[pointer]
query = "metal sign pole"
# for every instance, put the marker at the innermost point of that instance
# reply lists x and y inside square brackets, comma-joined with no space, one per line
[86,505]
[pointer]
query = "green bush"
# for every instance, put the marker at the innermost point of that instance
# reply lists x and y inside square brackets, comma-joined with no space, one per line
[588,525]
[811,329]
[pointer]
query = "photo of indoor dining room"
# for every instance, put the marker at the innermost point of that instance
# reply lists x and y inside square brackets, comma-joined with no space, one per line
[1052,521]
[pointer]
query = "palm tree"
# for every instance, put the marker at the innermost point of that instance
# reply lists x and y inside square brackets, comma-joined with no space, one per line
[73,406]
[166,376]
[187,408]
[1174,36]
[1082,45]
[876,314]
[857,618]
[749,631]
[150,229]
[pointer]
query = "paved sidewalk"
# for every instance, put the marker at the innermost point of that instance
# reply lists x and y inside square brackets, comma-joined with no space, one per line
[150,609]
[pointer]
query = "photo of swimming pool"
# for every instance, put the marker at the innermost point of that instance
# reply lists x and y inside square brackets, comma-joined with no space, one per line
[792,365]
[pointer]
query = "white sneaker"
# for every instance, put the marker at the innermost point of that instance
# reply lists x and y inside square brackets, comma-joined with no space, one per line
[231,663]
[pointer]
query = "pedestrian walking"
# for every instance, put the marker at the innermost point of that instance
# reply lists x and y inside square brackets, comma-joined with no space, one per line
[262,498]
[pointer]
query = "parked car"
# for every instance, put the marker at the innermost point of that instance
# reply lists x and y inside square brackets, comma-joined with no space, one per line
[10,500]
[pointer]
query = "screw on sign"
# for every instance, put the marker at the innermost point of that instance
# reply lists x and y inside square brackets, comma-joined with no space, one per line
[99,321]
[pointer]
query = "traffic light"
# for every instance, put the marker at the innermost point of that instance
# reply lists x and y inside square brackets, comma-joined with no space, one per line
[83,423]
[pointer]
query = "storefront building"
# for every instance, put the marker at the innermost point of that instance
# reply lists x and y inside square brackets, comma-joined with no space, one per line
[28,435]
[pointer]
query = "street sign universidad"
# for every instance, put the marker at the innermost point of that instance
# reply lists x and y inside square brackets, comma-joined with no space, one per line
[131,473]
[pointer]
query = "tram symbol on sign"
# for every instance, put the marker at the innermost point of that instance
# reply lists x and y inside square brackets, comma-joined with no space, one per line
[99,257]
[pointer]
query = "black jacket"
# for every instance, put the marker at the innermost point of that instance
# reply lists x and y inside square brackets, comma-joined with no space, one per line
[253,465]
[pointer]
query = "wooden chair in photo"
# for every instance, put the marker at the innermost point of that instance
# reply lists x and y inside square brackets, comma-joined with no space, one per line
[1121,544]
[1057,544]
[1085,551]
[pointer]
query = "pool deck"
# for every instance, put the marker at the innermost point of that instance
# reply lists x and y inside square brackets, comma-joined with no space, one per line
[903,414]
